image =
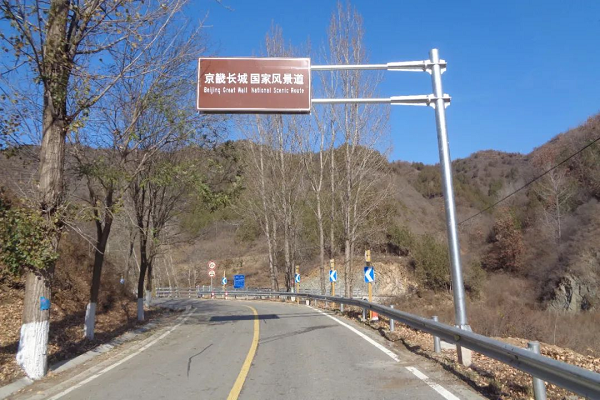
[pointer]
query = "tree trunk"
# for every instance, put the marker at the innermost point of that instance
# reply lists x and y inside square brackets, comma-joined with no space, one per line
[141,278]
[347,271]
[101,242]
[33,342]
[332,211]
[321,244]
[149,278]
[274,251]
[270,250]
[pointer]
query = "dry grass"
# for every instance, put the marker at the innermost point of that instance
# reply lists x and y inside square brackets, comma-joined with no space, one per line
[509,309]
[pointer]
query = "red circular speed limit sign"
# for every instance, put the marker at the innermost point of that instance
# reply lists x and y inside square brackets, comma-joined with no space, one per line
[212,265]
[211,273]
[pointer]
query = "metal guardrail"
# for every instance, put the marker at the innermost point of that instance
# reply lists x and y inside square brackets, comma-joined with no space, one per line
[575,379]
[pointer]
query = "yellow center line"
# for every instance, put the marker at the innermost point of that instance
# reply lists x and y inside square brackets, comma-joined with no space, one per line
[239,382]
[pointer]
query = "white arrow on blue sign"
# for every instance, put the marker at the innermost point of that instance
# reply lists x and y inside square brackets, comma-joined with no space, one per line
[369,274]
[297,278]
[332,275]
[224,281]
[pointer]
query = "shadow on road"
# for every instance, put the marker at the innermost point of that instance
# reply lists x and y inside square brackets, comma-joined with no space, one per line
[221,318]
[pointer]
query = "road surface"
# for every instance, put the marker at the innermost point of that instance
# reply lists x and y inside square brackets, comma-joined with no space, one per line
[260,350]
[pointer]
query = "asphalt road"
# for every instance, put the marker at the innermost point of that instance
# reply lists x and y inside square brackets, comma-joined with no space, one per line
[267,350]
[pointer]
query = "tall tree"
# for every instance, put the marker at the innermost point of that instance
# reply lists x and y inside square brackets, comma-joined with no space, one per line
[60,45]
[362,127]
[315,141]
[274,145]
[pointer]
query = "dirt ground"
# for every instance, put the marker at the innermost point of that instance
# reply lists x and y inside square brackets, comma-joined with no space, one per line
[66,328]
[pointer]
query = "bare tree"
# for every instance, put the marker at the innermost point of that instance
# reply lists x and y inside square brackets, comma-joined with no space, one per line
[259,199]
[554,190]
[313,139]
[362,128]
[59,45]
[274,145]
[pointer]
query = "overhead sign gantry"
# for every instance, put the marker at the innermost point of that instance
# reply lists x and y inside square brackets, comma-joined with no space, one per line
[278,85]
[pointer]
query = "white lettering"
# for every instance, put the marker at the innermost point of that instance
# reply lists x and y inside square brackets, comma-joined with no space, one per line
[266,78]
[276,78]
[242,78]
[287,79]
[212,90]
[209,78]
[220,78]
[299,79]
[231,78]
[260,90]
[254,79]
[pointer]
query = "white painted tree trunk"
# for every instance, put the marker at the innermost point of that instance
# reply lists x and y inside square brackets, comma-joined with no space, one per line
[140,309]
[148,298]
[31,355]
[90,321]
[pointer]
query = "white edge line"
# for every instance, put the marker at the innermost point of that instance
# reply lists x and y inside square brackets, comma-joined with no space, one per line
[438,388]
[432,384]
[362,335]
[129,357]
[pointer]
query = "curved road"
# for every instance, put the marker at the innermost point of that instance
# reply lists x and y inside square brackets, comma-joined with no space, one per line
[263,350]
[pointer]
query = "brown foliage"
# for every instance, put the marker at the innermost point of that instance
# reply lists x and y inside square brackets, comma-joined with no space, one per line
[507,248]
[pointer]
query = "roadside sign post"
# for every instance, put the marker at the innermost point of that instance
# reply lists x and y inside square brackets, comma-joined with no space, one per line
[211,272]
[332,275]
[297,280]
[368,262]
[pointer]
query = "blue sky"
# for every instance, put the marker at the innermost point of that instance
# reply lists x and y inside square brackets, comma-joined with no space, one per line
[519,72]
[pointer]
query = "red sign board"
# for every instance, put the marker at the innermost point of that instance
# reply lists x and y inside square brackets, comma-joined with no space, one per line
[254,85]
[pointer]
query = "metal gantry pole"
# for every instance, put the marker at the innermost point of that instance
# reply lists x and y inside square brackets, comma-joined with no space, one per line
[458,289]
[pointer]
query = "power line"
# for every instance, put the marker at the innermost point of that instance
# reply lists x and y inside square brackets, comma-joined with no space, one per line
[531,181]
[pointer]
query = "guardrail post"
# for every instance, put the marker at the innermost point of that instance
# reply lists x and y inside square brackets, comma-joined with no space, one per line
[364,317]
[342,308]
[392,321]
[437,347]
[539,388]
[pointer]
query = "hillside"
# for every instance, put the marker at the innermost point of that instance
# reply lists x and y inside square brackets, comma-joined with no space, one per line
[516,256]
